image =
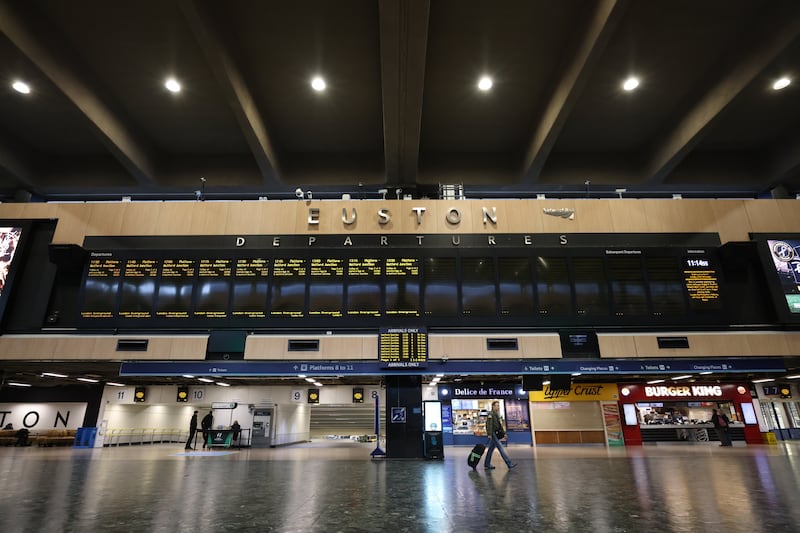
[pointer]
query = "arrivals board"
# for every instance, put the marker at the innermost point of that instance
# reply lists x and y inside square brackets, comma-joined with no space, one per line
[402,347]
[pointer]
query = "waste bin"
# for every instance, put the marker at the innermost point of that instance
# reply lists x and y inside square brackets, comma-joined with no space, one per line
[84,437]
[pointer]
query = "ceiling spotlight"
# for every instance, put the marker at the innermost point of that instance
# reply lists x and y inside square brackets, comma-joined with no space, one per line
[485,83]
[172,85]
[631,83]
[781,83]
[21,87]
[318,84]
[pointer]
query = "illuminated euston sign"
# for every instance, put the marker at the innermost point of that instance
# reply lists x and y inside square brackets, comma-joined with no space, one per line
[690,391]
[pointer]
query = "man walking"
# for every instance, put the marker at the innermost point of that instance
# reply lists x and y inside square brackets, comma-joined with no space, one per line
[205,425]
[192,431]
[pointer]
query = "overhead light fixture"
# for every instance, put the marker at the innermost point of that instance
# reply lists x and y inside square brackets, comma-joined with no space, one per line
[765,380]
[188,376]
[311,380]
[781,83]
[653,382]
[485,83]
[676,378]
[545,383]
[705,373]
[114,384]
[318,84]
[205,380]
[221,384]
[301,375]
[21,87]
[317,384]
[87,380]
[17,384]
[172,85]
[631,83]
[576,373]
[793,377]
[54,375]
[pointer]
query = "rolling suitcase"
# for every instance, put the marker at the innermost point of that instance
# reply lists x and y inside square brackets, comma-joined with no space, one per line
[475,455]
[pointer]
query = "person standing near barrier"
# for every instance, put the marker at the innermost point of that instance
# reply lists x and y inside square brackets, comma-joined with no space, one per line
[205,425]
[192,431]
[494,425]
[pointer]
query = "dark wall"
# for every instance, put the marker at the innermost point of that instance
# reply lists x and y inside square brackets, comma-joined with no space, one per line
[747,295]
[404,440]
[92,395]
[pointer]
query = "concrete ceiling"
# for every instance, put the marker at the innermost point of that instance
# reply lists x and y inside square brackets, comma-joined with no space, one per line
[401,109]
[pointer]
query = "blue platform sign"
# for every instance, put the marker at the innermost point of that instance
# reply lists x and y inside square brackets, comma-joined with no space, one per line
[464,367]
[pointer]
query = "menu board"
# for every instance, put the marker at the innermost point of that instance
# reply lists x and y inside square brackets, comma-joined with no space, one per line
[214,287]
[101,287]
[289,287]
[403,347]
[364,280]
[702,284]
[138,288]
[250,287]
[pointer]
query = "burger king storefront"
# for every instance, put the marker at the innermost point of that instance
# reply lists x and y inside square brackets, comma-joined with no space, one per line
[653,414]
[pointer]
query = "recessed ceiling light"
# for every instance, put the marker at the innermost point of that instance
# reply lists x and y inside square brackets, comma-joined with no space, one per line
[172,85]
[631,83]
[87,380]
[15,384]
[205,380]
[781,83]
[485,83]
[114,384]
[318,84]
[21,87]
[317,384]
[53,375]
[653,382]
[676,378]
[189,376]
[705,373]
[223,384]
[793,377]
[765,380]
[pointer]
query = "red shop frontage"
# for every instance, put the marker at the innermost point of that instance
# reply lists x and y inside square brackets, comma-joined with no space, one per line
[681,413]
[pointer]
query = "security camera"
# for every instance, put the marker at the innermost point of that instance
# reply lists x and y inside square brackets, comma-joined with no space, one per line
[308,195]
[298,192]
[398,192]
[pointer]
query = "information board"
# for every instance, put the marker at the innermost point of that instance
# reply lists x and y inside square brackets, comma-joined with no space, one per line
[403,347]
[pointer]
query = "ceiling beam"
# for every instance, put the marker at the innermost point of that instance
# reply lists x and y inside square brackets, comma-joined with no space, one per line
[753,55]
[784,163]
[236,90]
[41,44]
[601,25]
[16,162]
[404,44]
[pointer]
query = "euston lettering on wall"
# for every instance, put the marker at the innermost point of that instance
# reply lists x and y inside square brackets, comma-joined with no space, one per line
[688,391]
[42,415]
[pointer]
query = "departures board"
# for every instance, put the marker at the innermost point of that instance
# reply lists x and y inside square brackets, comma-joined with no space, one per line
[524,287]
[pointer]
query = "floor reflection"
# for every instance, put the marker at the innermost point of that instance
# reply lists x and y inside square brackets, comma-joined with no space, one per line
[314,488]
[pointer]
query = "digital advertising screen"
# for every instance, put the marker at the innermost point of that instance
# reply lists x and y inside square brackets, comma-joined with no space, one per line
[11,239]
[783,273]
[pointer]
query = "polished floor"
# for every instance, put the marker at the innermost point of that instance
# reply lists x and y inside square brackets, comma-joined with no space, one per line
[334,486]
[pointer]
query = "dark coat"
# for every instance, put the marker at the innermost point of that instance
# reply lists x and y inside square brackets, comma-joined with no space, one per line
[207,422]
[193,423]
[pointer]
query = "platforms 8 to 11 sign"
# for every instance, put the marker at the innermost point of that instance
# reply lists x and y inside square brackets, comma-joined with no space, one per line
[403,347]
